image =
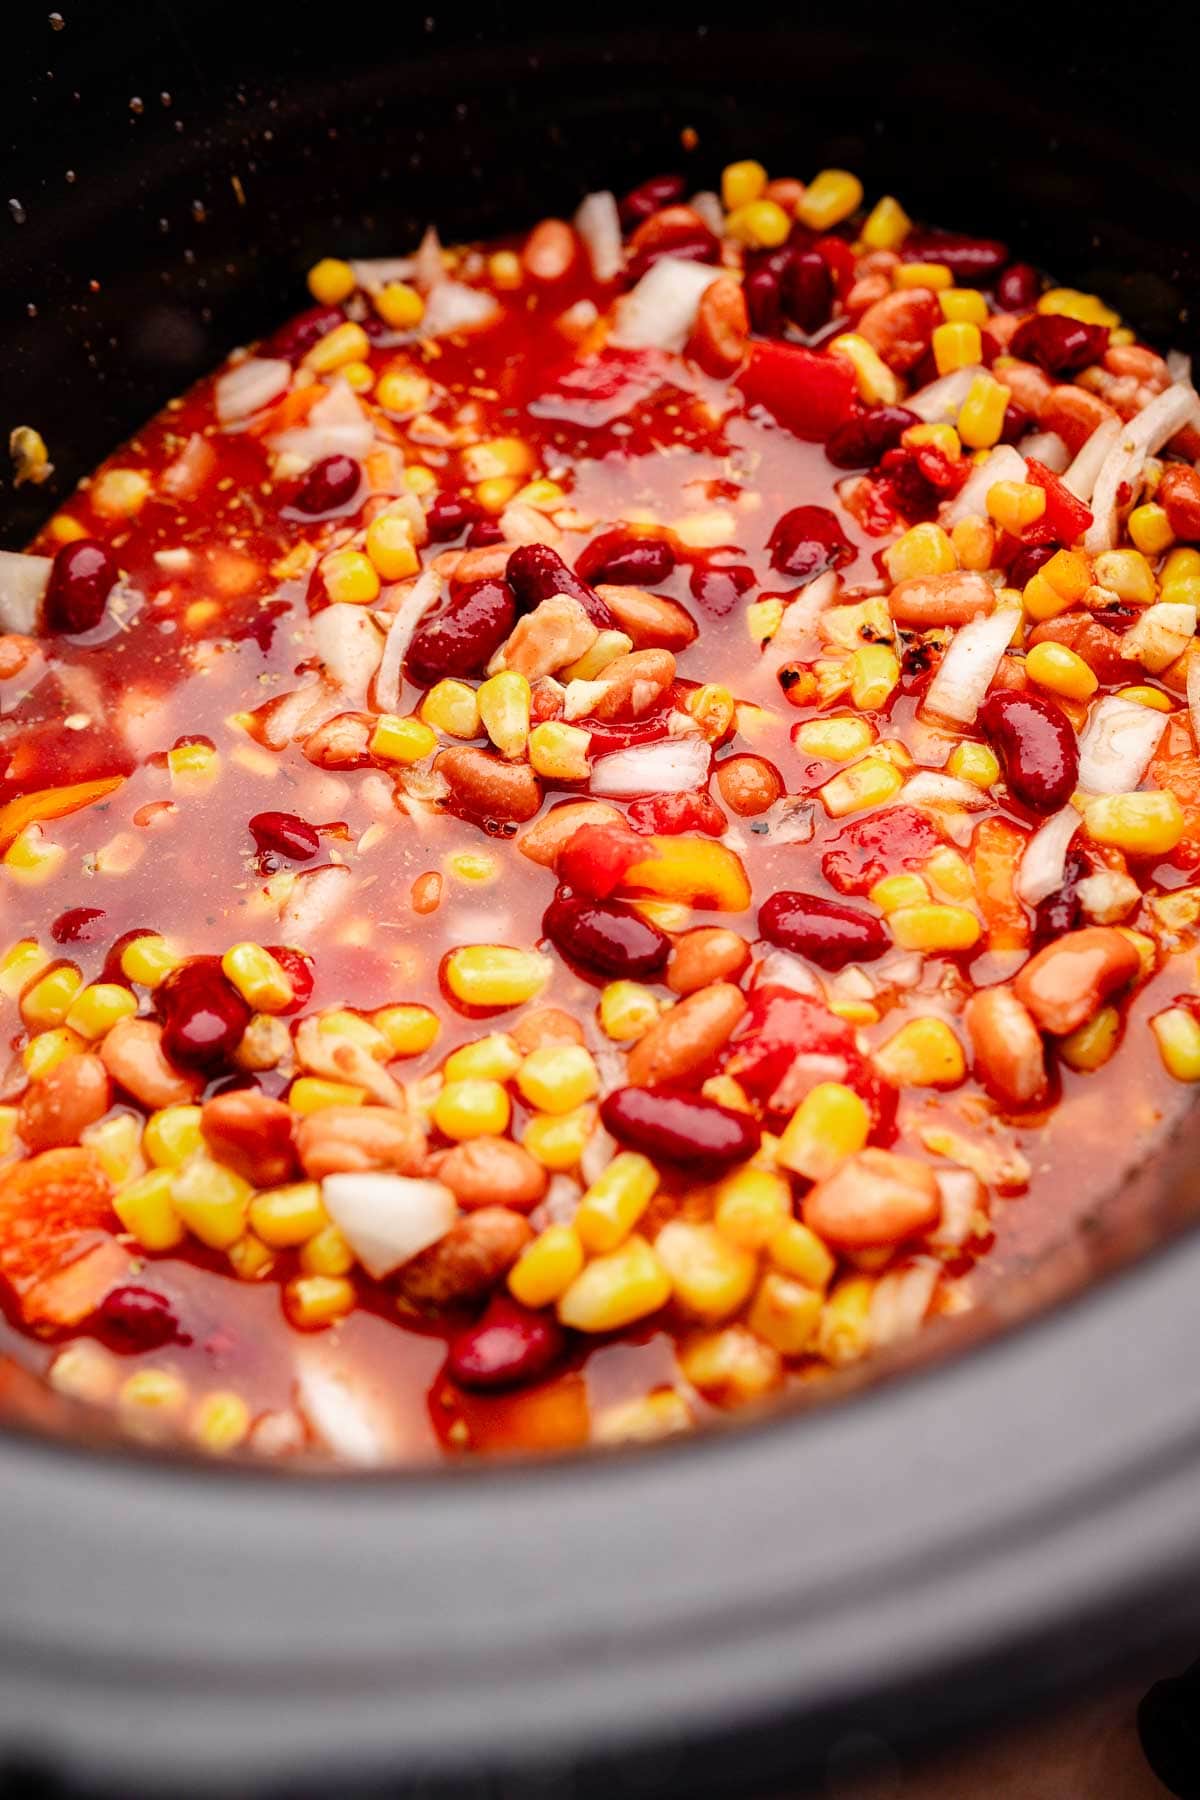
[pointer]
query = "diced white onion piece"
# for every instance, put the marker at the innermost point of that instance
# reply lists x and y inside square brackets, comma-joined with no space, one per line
[928,788]
[1047,448]
[902,971]
[23,583]
[669,766]
[796,822]
[1179,365]
[780,968]
[963,1199]
[337,425]
[452,306]
[429,270]
[174,561]
[598,1152]
[1080,477]
[374,272]
[579,696]
[899,1301]
[1107,897]
[1117,744]
[1043,865]
[408,615]
[599,225]
[388,1219]
[249,386]
[709,207]
[942,398]
[525,524]
[315,896]
[660,312]
[350,646]
[800,617]
[1160,635]
[346,1417]
[1003,464]
[965,673]
[1120,476]
[1193,695]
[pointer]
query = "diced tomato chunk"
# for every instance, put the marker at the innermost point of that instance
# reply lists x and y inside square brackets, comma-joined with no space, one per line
[594,861]
[883,843]
[58,1253]
[669,814]
[808,393]
[1065,519]
[788,1042]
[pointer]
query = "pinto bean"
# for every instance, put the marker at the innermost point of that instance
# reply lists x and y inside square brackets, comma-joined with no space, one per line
[1099,646]
[749,784]
[722,332]
[876,1198]
[341,743]
[55,1110]
[706,954]
[473,1257]
[545,1025]
[634,685]
[925,601]
[557,632]
[487,563]
[867,291]
[1066,984]
[682,1045]
[1144,365]
[492,1171]
[1009,1056]
[543,842]
[252,1134]
[1179,493]
[550,250]
[901,326]
[1030,386]
[133,1054]
[1074,414]
[355,1140]
[485,786]
[651,620]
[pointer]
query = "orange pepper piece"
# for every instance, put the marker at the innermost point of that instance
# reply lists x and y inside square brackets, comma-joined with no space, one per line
[52,803]
[995,855]
[698,870]
[293,409]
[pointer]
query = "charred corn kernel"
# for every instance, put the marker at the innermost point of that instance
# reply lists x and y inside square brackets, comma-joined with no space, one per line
[1150,528]
[495,457]
[408,1029]
[504,703]
[403,391]
[471,1109]
[558,1141]
[1093,1043]
[331,281]
[315,1300]
[763,619]
[711,1276]
[981,416]
[877,384]
[346,343]
[800,1253]
[312,1093]
[699,870]
[399,305]
[193,767]
[420,480]
[874,673]
[326,1253]
[120,493]
[545,495]
[1128,575]
[615,1201]
[496,975]
[871,782]
[451,707]
[558,751]
[147,1211]
[844,1331]
[211,1200]
[404,740]
[975,763]
[923,550]
[829,198]
[1152,697]
[614,1290]
[974,542]
[741,182]
[51,997]
[865,621]
[116,1143]
[760,225]
[390,547]
[558,1078]
[46,1050]
[934,928]
[19,965]
[751,1205]
[713,709]
[350,577]
[1177,1034]
[1060,671]
[1088,308]
[830,1124]
[893,891]
[836,738]
[172,1135]
[933,275]
[1149,824]
[495,493]
[152,1391]
[32,858]
[1015,504]
[491,1058]
[964,306]
[261,981]
[923,1053]
[785,1313]
[547,1267]
[286,1217]
[220,1422]
[933,437]
[886,225]
[956,345]
[472,865]
[504,269]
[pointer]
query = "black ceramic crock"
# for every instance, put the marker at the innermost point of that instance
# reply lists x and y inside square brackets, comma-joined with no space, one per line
[941,1550]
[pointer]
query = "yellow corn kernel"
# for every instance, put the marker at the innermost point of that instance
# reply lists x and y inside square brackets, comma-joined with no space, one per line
[51,997]
[261,981]
[504,703]
[760,225]
[250,1259]
[342,1023]
[19,965]
[663,1413]
[1015,504]
[1091,1045]
[420,480]
[316,1300]
[193,767]
[326,1253]
[923,274]
[874,673]
[1058,584]
[731,1366]
[1128,575]
[494,458]
[1177,1034]
[741,182]
[975,763]
[710,1275]
[66,530]
[1146,948]
[1182,565]
[147,1211]
[491,1058]
[964,306]
[220,1422]
[172,1135]
[923,550]
[949,874]
[331,281]
[504,269]
[359,376]
[350,577]
[547,1267]
[390,547]
[558,1142]
[557,1078]
[545,495]
[403,391]
[451,707]
[830,1124]
[829,198]
[495,975]
[472,865]
[46,1050]
[981,416]
[615,1201]
[844,1331]
[836,738]
[32,858]
[727,1092]
[763,619]
[668,915]
[116,1145]
[346,343]
[923,1053]
[871,782]
[1088,308]
[150,1392]
[714,710]
[800,1253]
[399,305]
[98,1007]
[886,225]
[471,1109]
[974,542]
[1149,824]
[1150,528]
[558,751]
[31,459]
[408,1029]
[312,1093]
[211,1200]
[614,1290]
[956,346]
[149,960]
[85,1371]
[1152,697]
[893,891]
[934,928]
[877,384]
[120,493]
[402,740]
[785,1313]
[286,1217]
[1060,671]
[495,493]
[865,621]
[698,870]
[604,649]
[751,1205]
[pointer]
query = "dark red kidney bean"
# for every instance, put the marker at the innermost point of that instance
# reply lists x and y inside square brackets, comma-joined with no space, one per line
[650,197]
[81,578]
[1016,423]
[605,937]
[463,634]
[1027,563]
[719,586]
[283,834]
[1061,912]
[807,290]
[329,485]
[807,541]
[77,925]
[696,244]
[680,1128]
[1037,745]
[626,560]
[763,289]
[1059,345]
[300,334]
[204,1017]
[298,967]
[826,932]
[508,1345]
[1018,287]
[138,1318]
[484,533]
[535,573]
[449,517]
[861,441]
[975,262]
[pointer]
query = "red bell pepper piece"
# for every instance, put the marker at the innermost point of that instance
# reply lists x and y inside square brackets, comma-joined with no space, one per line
[808,393]
[1065,519]
[595,858]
